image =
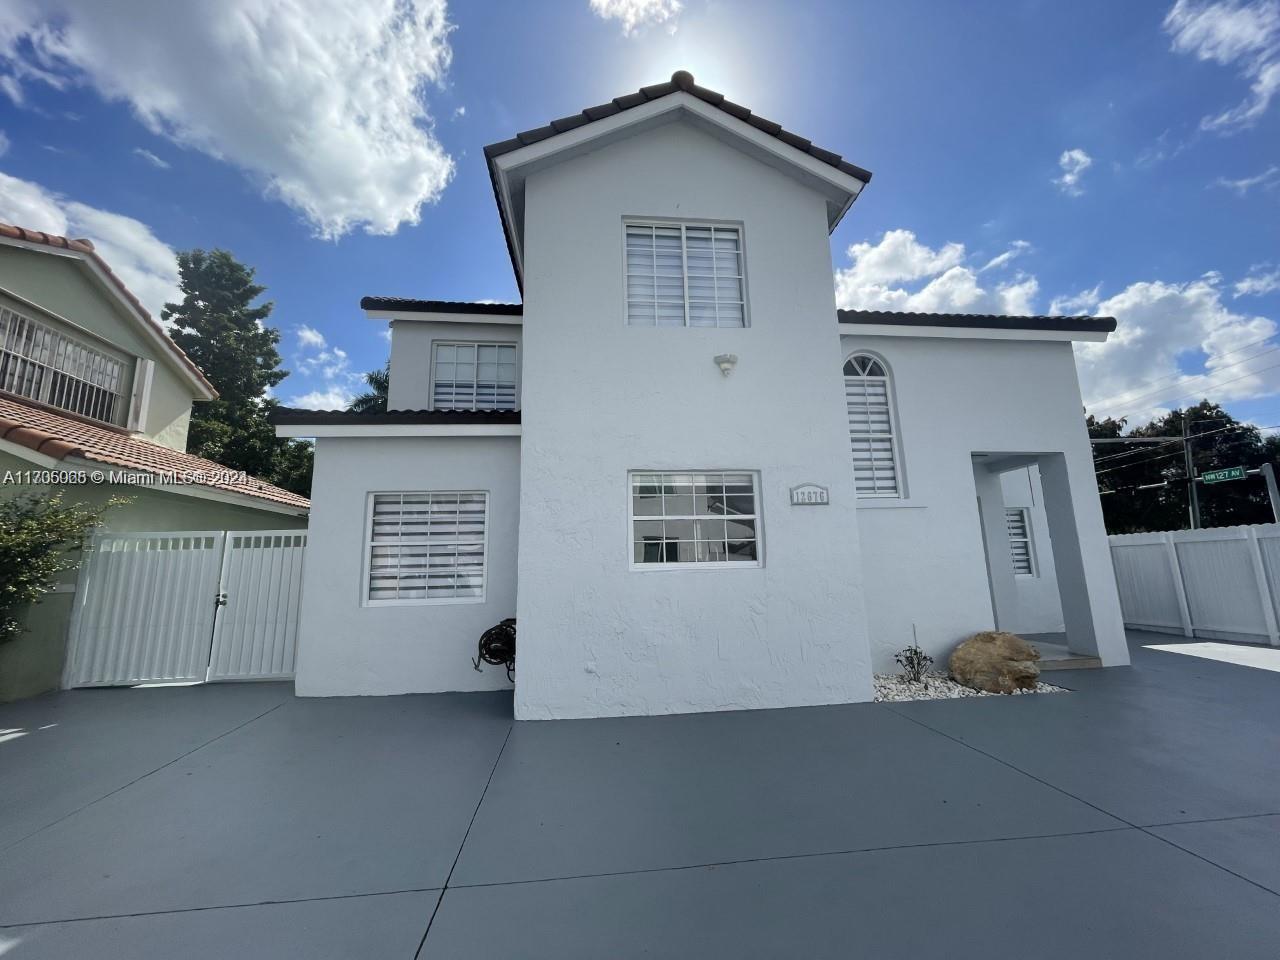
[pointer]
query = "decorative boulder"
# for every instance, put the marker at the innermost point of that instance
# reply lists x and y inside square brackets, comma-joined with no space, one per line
[996,662]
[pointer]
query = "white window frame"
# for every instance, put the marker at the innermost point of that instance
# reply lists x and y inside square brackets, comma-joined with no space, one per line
[895,438]
[1029,539]
[684,268]
[758,517]
[436,344]
[367,544]
[57,345]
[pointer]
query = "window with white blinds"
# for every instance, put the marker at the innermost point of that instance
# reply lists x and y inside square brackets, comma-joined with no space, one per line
[427,546]
[684,275]
[41,363]
[474,376]
[871,435]
[1018,522]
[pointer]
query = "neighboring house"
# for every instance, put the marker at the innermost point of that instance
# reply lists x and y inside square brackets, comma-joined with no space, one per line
[648,463]
[90,382]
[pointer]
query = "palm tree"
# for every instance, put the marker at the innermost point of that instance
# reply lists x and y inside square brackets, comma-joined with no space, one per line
[373,400]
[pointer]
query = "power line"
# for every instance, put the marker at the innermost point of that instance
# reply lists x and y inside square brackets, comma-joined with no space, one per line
[1210,373]
[1122,397]
[1162,456]
[1129,453]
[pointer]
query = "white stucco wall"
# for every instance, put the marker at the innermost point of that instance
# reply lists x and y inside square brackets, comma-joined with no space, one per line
[346,648]
[602,398]
[923,555]
[1038,608]
[411,353]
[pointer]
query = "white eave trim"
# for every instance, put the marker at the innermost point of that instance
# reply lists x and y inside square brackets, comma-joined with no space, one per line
[424,316]
[967,333]
[165,345]
[319,430]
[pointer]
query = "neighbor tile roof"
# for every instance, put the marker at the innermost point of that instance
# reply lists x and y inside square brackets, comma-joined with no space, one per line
[59,436]
[681,80]
[410,305]
[977,321]
[85,248]
[294,416]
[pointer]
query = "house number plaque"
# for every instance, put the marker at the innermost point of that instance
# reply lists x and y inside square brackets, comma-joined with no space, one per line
[809,495]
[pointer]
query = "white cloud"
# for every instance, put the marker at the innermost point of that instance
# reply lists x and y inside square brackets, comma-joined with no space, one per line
[151,158]
[1268,179]
[1076,304]
[882,276]
[4,143]
[1074,163]
[636,15]
[1232,33]
[1160,325]
[145,263]
[1016,249]
[317,360]
[1258,282]
[319,102]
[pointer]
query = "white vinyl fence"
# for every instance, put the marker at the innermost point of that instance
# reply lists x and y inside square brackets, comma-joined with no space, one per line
[186,606]
[1221,584]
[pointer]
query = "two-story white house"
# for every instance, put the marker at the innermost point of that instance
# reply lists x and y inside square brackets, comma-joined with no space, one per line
[694,482]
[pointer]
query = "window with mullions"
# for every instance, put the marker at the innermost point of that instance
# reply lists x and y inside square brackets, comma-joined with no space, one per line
[871,433]
[41,363]
[695,518]
[684,275]
[474,376]
[426,546]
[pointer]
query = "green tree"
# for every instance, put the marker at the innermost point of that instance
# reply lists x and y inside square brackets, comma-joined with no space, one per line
[373,400]
[40,537]
[225,333]
[1219,441]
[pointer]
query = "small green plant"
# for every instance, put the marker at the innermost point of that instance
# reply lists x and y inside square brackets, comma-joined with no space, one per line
[40,537]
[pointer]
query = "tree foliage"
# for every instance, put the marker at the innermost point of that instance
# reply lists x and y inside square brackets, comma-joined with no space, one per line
[39,538]
[373,400]
[225,333]
[1219,441]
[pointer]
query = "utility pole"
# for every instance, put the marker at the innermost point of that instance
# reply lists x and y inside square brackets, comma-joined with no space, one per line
[1273,493]
[1193,495]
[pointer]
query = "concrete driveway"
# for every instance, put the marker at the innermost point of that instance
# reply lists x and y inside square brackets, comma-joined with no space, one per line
[1136,817]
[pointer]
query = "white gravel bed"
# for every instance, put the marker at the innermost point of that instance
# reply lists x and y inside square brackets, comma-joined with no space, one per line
[893,688]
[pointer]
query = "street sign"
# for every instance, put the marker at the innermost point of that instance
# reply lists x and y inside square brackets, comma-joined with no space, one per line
[1219,476]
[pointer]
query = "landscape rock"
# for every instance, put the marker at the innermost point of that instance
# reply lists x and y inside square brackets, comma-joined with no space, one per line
[995,662]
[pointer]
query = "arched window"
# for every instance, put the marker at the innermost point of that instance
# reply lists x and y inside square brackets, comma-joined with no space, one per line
[871,427]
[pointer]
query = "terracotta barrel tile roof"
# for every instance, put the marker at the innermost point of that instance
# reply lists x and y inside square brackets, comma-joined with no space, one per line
[59,436]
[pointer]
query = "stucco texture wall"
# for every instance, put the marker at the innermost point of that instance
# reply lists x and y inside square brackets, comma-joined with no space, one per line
[602,398]
[346,648]
[923,555]
[33,663]
[62,285]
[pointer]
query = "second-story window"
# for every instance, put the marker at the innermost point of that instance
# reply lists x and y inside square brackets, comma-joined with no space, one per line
[684,275]
[474,376]
[44,364]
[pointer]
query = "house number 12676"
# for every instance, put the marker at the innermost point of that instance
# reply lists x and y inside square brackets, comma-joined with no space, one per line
[809,495]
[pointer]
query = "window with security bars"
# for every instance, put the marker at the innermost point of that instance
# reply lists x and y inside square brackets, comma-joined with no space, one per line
[474,376]
[427,546]
[684,275]
[695,518]
[1018,522]
[871,435]
[40,363]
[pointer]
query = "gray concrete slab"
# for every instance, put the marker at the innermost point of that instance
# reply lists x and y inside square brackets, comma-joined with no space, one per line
[371,928]
[1172,738]
[77,746]
[1249,846]
[319,798]
[1117,894]
[571,798]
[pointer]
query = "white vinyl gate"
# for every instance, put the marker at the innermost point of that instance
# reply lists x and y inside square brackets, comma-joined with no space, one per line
[186,606]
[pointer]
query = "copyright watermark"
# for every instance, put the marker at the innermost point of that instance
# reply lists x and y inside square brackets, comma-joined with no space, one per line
[122,477]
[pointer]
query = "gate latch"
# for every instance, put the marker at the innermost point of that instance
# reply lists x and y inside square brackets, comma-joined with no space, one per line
[220,600]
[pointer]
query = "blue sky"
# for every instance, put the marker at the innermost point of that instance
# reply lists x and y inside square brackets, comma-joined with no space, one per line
[1028,156]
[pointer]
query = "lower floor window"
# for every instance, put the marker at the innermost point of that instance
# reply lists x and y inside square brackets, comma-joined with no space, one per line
[695,518]
[1020,552]
[427,546]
